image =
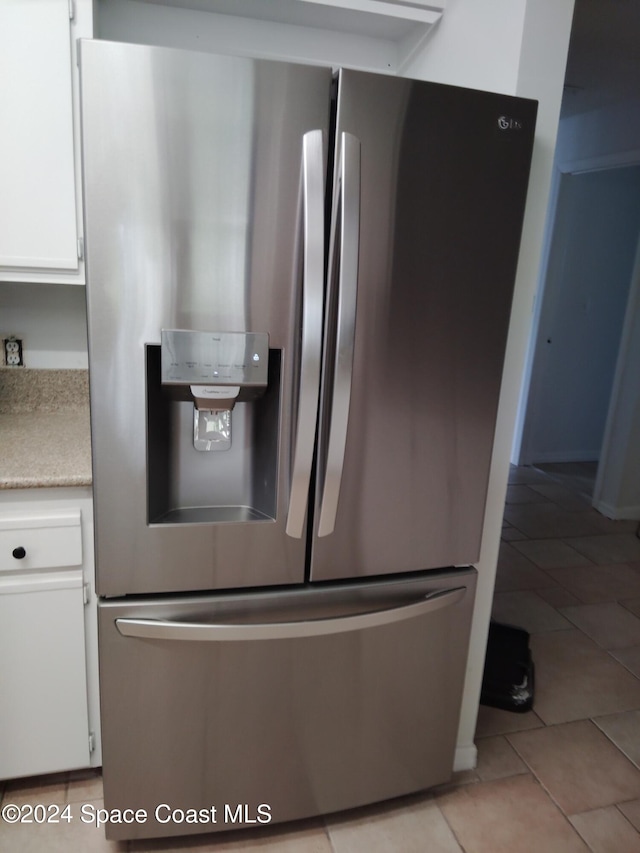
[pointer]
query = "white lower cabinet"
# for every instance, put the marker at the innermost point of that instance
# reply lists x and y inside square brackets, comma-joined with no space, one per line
[43,703]
[49,702]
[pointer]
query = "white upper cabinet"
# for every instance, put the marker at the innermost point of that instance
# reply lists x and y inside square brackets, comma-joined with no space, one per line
[374,35]
[40,201]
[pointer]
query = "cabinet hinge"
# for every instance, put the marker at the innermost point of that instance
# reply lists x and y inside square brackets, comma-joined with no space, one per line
[80,248]
[72,10]
[86,592]
[92,742]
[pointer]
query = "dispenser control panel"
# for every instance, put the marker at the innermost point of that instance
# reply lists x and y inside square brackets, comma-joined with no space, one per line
[214,358]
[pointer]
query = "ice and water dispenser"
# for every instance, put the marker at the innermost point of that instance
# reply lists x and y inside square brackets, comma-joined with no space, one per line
[212,427]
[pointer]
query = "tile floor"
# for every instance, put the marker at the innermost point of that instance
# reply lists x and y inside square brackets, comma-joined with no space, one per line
[563,777]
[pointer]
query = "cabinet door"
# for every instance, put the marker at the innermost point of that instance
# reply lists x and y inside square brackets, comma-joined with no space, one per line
[38,203]
[44,724]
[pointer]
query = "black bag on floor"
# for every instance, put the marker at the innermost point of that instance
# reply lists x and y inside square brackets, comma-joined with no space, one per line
[508,677]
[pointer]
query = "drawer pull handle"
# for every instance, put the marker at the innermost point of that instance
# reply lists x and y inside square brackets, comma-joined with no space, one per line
[156,629]
[19,553]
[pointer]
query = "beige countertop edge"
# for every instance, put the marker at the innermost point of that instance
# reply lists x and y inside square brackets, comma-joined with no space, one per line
[61,481]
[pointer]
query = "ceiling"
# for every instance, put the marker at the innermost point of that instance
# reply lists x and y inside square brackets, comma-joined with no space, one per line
[603,67]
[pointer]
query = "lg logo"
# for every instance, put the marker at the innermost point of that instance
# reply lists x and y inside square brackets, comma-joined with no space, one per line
[506,123]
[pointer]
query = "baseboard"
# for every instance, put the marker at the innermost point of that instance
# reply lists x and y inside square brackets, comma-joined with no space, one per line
[618,513]
[466,758]
[565,456]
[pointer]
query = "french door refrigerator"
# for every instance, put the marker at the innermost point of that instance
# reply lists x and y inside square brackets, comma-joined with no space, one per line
[299,288]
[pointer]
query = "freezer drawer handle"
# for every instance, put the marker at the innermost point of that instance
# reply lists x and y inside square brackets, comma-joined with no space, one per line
[311,345]
[348,239]
[154,629]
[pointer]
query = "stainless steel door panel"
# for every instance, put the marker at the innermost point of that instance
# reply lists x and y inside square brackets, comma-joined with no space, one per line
[307,702]
[193,204]
[442,198]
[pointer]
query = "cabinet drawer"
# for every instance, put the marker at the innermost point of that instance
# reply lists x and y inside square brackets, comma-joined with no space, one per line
[40,540]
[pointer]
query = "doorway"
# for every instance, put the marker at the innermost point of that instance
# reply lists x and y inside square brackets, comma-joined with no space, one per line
[590,268]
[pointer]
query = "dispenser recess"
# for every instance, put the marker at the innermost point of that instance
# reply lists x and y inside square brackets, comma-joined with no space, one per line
[194,381]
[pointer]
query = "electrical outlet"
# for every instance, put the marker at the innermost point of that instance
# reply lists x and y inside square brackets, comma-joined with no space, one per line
[12,352]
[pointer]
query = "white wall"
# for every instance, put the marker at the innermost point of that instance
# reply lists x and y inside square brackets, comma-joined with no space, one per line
[591,259]
[476,44]
[617,490]
[50,319]
[598,140]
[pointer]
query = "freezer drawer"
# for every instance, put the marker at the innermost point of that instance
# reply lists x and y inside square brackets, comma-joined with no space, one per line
[275,706]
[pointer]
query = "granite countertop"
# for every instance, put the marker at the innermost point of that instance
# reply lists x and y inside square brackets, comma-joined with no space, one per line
[44,428]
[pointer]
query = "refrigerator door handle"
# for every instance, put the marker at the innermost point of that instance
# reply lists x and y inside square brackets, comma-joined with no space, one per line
[155,629]
[347,219]
[311,345]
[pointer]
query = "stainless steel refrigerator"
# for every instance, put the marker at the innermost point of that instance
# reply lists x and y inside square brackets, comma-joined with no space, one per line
[299,288]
